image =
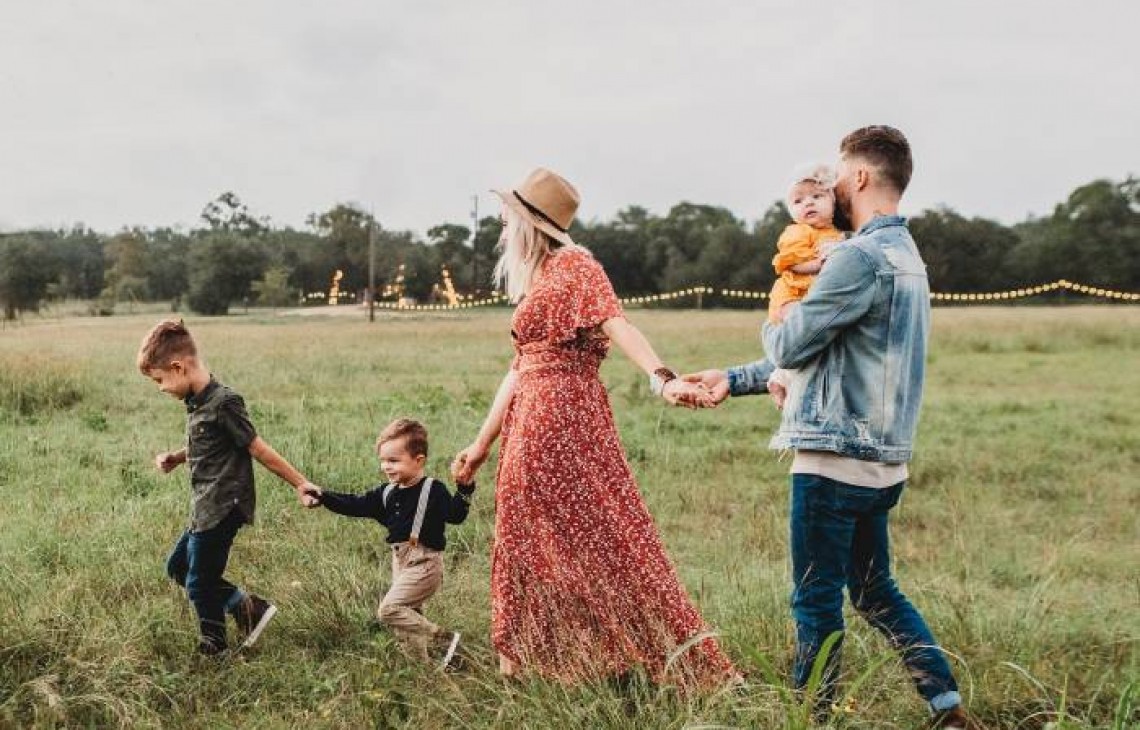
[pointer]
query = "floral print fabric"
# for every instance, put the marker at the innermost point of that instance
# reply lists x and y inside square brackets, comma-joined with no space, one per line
[581,584]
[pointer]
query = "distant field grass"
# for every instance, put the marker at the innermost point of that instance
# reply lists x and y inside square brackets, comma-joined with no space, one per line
[1019,534]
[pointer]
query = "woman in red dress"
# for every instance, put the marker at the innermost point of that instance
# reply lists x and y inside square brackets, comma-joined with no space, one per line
[581,586]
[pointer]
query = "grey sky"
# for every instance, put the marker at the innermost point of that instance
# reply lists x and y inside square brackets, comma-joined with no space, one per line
[124,112]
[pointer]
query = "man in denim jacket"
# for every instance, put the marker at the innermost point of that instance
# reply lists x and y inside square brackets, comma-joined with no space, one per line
[858,341]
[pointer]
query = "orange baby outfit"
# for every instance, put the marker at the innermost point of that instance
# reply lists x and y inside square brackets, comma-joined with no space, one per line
[798,244]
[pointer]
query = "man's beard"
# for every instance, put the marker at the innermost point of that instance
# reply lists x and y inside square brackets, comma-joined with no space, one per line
[842,215]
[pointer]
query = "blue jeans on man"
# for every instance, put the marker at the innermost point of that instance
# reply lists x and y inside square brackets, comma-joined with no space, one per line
[197,564]
[839,539]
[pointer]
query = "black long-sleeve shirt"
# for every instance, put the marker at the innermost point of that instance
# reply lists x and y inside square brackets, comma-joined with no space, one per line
[400,512]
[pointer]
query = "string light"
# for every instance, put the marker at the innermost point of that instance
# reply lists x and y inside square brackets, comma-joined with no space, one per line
[988,296]
[744,294]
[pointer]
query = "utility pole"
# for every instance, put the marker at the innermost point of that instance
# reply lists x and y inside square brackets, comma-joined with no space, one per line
[371,267]
[474,249]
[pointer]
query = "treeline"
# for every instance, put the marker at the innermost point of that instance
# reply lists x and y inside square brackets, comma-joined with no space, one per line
[235,257]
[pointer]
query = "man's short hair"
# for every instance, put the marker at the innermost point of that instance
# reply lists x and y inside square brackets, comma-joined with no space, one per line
[413,432]
[884,147]
[167,341]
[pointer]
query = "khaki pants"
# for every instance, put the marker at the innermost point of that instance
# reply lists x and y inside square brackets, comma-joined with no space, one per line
[417,573]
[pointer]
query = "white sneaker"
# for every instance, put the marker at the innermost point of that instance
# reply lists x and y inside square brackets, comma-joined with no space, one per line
[256,617]
[450,653]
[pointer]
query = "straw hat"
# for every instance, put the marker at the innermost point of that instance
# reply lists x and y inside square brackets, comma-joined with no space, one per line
[547,200]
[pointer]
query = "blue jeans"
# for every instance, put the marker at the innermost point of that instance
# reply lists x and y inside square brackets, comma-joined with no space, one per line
[197,563]
[839,538]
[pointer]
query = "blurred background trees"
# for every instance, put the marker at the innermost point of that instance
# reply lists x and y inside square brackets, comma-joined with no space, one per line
[237,258]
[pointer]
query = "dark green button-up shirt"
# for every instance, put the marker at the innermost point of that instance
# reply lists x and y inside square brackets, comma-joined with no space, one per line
[218,435]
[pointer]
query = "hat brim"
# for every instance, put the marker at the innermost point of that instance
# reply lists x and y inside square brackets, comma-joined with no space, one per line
[511,199]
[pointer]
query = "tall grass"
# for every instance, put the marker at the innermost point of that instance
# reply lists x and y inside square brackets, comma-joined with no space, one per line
[29,386]
[1017,535]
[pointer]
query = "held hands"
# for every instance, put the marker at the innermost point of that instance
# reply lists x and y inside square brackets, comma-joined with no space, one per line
[169,460]
[712,384]
[309,495]
[687,394]
[467,462]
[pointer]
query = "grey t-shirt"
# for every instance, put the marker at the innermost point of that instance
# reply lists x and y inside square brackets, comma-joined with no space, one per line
[218,435]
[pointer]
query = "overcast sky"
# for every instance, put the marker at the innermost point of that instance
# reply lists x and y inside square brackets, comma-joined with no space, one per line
[137,112]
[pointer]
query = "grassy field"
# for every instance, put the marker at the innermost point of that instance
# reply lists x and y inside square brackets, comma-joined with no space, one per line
[1019,534]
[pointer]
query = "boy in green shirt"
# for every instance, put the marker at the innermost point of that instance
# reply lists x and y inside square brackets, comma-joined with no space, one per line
[220,448]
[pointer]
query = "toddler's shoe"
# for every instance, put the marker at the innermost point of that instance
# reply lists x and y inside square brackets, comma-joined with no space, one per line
[450,639]
[252,616]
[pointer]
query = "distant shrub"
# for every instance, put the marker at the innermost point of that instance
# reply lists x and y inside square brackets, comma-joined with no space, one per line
[29,387]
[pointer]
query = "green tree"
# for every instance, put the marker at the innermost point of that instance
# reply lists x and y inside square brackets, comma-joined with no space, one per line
[963,254]
[678,239]
[128,255]
[452,249]
[27,267]
[486,254]
[1093,237]
[81,260]
[304,254]
[622,247]
[223,267]
[228,214]
[273,289]
[345,230]
[420,262]
[167,264]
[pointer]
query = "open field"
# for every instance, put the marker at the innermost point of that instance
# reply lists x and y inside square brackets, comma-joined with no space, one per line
[1019,535]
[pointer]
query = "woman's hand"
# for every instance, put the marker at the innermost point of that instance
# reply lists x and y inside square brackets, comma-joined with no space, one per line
[679,392]
[467,462]
[714,381]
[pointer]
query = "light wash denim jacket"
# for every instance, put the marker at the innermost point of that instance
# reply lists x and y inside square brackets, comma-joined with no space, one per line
[858,341]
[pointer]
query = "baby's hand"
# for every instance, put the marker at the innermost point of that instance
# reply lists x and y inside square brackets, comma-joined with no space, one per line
[778,392]
[784,311]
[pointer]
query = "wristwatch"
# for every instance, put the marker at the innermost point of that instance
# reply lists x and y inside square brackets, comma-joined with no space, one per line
[659,378]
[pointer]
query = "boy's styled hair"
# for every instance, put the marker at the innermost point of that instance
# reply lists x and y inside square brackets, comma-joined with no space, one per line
[884,147]
[413,432]
[168,340]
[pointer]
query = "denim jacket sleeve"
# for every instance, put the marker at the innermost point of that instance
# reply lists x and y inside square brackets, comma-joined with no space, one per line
[841,295]
[750,379]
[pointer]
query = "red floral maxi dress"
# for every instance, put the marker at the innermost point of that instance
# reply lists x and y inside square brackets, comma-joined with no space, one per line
[581,586]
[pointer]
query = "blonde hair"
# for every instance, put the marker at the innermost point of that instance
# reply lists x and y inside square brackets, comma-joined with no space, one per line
[523,249]
[168,340]
[818,173]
